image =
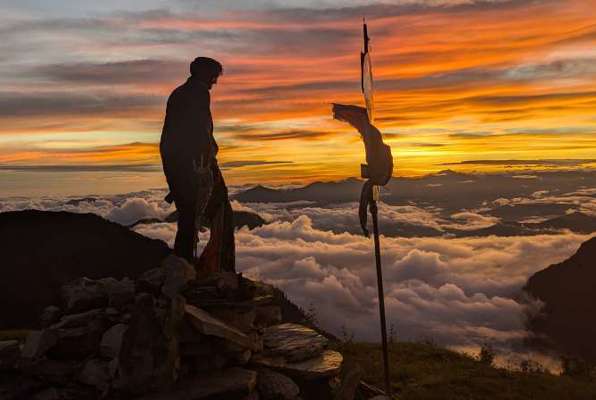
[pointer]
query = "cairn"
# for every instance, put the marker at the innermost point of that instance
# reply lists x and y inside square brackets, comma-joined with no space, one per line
[170,334]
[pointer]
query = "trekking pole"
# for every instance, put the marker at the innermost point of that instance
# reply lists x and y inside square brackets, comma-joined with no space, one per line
[374,213]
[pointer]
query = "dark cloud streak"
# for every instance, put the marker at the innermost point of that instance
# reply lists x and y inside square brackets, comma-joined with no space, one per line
[13,104]
[251,163]
[551,163]
[82,168]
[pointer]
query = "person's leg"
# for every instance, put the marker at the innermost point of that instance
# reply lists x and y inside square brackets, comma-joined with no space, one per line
[210,258]
[183,245]
[228,245]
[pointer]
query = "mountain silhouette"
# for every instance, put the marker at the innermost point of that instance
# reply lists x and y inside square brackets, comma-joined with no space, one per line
[447,189]
[568,290]
[43,250]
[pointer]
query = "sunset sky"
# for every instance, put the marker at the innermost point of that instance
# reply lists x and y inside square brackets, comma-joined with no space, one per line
[83,85]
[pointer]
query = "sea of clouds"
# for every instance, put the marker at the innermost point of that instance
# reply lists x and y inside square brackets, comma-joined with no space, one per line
[454,291]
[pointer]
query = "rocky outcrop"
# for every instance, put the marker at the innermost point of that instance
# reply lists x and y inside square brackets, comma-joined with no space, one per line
[568,291]
[241,218]
[171,334]
[42,251]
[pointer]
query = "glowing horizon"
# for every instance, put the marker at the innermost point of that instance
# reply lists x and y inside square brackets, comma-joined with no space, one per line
[456,82]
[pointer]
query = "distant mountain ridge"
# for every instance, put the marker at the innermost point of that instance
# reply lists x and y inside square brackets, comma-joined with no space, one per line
[448,193]
[319,192]
[568,290]
[448,189]
[241,218]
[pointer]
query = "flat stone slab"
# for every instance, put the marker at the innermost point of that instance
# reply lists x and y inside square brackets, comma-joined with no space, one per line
[293,342]
[228,383]
[326,364]
[206,324]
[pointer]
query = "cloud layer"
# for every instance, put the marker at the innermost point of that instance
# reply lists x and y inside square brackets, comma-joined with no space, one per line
[460,292]
[454,291]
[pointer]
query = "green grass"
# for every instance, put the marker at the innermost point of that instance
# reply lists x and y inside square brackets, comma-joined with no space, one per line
[421,371]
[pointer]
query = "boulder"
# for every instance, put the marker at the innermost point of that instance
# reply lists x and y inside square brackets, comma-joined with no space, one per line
[293,342]
[151,281]
[349,381]
[69,392]
[206,324]
[148,355]
[178,272]
[52,371]
[267,315]
[77,343]
[77,320]
[15,386]
[325,365]
[241,318]
[9,354]
[227,280]
[96,373]
[237,354]
[275,386]
[113,315]
[111,341]
[47,394]
[119,292]
[38,343]
[231,383]
[83,294]
[201,296]
[50,315]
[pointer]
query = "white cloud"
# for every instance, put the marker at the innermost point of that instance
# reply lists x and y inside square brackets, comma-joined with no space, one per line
[583,200]
[135,209]
[471,221]
[124,209]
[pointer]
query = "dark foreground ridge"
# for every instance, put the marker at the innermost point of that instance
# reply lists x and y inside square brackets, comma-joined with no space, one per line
[43,250]
[568,290]
[150,327]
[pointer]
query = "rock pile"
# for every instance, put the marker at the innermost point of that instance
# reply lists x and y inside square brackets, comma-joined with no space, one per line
[170,334]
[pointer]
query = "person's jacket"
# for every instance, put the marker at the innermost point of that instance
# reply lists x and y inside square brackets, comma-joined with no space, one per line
[187,132]
[187,138]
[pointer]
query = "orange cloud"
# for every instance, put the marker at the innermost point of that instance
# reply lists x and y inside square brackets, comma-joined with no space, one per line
[442,74]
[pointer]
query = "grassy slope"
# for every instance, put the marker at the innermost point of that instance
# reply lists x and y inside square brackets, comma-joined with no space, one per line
[424,371]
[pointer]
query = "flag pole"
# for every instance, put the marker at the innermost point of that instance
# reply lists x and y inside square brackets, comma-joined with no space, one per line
[367,90]
[374,213]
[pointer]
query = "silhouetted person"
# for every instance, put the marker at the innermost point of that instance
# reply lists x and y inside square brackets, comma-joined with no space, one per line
[188,152]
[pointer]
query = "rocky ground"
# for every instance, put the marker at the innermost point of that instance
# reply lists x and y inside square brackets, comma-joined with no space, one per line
[171,334]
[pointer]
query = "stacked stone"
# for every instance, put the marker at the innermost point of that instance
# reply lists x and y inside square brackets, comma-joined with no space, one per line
[168,335]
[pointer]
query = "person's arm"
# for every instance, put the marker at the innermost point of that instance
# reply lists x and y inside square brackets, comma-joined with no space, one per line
[200,135]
